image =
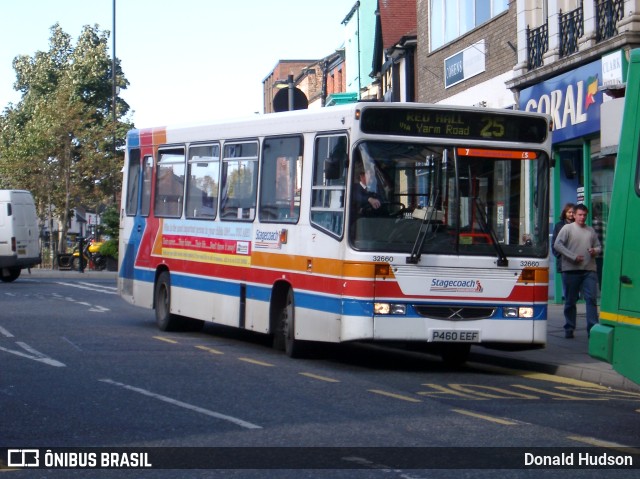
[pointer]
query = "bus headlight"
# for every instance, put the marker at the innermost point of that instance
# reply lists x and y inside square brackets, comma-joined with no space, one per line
[525,312]
[389,308]
[521,312]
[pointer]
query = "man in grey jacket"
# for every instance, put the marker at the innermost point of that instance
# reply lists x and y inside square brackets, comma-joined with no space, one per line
[579,245]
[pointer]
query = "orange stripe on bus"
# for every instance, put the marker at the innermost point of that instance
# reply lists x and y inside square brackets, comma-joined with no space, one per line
[159,136]
[534,275]
[310,264]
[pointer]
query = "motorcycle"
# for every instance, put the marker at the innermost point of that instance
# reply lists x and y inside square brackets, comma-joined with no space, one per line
[91,256]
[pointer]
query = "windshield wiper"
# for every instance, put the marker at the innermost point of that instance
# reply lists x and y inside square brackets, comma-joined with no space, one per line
[416,251]
[502,258]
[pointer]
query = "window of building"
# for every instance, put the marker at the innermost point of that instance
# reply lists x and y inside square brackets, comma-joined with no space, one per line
[281,179]
[536,12]
[449,19]
[202,185]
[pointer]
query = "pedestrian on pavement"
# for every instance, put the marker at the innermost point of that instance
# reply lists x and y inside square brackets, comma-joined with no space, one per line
[579,245]
[566,217]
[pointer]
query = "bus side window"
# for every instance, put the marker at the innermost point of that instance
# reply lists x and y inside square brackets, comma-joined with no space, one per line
[147,177]
[239,181]
[202,183]
[133,182]
[328,188]
[281,174]
[170,183]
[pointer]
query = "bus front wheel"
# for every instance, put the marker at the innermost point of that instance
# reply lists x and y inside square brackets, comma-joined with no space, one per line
[162,303]
[284,335]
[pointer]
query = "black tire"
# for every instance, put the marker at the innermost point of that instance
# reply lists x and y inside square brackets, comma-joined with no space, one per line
[455,355]
[99,262]
[284,335]
[162,304]
[74,263]
[14,273]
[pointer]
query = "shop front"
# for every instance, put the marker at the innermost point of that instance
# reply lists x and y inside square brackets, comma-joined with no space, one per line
[583,171]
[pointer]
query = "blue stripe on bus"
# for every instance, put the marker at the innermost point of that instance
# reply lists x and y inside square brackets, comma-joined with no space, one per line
[303,299]
[133,139]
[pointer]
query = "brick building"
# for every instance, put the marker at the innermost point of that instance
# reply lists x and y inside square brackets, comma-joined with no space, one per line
[278,77]
[395,48]
[315,82]
[467,59]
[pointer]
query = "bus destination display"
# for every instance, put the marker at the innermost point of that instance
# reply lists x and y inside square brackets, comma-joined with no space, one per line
[469,125]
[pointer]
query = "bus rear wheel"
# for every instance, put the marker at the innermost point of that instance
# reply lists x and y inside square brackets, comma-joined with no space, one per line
[284,336]
[162,304]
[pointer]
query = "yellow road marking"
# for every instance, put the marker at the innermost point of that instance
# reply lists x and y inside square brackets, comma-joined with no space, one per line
[499,393]
[498,420]
[592,441]
[558,395]
[211,350]
[444,390]
[321,378]
[562,380]
[393,395]
[539,376]
[255,361]
[166,340]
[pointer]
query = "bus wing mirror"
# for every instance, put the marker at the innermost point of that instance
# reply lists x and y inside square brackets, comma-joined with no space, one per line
[332,169]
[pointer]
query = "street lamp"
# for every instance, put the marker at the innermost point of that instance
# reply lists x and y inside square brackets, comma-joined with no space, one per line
[113,79]
[290,85]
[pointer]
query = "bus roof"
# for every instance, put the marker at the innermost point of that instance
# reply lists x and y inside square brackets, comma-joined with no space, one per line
[339,117]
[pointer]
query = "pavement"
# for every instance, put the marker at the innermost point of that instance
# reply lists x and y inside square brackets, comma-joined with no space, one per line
[563,357]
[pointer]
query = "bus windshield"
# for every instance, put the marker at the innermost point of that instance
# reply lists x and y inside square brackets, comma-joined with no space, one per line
[415,197]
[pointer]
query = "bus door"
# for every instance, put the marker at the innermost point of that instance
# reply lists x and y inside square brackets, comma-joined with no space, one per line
[629,271]
[137,207]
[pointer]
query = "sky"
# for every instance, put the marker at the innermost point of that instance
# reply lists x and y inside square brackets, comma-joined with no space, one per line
[186,60]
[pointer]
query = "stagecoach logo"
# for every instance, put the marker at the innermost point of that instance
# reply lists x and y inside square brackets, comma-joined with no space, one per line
[269,239]
[456,286]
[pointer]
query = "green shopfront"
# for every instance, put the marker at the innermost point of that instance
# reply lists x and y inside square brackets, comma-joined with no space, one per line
[583,170]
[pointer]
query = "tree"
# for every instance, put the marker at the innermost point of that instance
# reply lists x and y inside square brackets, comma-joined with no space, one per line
[110,220]
[60,141]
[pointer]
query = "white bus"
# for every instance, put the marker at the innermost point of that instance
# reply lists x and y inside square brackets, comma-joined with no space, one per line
[264,224]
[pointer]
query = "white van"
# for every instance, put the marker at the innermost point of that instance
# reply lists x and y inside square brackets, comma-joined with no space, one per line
[19,246]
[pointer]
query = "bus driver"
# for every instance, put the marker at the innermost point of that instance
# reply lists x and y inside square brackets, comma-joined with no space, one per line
[364,198]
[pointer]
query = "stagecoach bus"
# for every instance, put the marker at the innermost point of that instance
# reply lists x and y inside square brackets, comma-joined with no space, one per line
[396,222]
[616,339]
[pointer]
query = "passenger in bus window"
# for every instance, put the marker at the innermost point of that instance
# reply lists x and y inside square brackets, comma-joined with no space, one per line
[566,217]
[579,245]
